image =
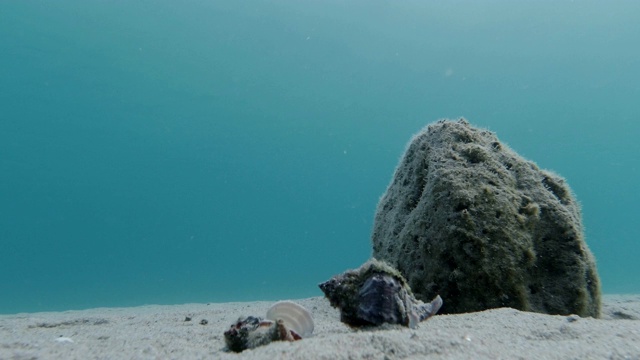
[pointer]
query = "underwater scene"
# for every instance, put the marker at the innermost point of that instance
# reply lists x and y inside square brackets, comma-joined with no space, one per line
[169,152]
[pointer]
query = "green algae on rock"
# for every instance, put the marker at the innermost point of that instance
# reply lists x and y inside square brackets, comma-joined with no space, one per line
[467,218]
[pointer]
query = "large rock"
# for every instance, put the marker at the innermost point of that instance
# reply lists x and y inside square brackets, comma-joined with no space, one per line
[467,218]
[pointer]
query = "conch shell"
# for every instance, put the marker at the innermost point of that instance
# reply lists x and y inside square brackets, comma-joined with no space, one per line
[375,294]
[285,321]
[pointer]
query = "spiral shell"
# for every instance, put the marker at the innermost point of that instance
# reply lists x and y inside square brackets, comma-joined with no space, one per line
[375,294]
[295,317]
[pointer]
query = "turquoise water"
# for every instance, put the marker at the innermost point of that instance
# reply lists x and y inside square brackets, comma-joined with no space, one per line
[199,151]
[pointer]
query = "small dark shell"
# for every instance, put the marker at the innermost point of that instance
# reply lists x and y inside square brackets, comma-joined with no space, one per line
[249,332]
[375,294]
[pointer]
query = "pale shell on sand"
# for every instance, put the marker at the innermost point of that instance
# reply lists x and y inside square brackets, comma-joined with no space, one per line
[285,321]
[295,317]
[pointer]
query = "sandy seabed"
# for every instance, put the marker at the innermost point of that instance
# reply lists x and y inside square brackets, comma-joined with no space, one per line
[161,332]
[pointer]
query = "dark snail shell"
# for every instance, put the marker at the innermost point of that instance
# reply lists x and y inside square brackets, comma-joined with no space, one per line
[249,332]
[375,294]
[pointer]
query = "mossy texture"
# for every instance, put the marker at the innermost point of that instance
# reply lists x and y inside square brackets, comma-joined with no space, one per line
[469,219]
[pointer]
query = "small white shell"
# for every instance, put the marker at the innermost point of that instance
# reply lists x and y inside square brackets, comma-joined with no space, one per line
[294,316]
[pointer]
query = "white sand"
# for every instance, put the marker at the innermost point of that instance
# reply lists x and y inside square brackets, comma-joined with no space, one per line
[161,332]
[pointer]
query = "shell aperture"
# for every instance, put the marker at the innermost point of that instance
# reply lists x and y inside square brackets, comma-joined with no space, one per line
[379,302]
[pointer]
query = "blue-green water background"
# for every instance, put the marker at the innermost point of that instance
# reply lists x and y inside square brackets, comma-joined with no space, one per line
[195,151]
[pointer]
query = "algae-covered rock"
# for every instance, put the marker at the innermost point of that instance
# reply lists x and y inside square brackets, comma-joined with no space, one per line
[469,219]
